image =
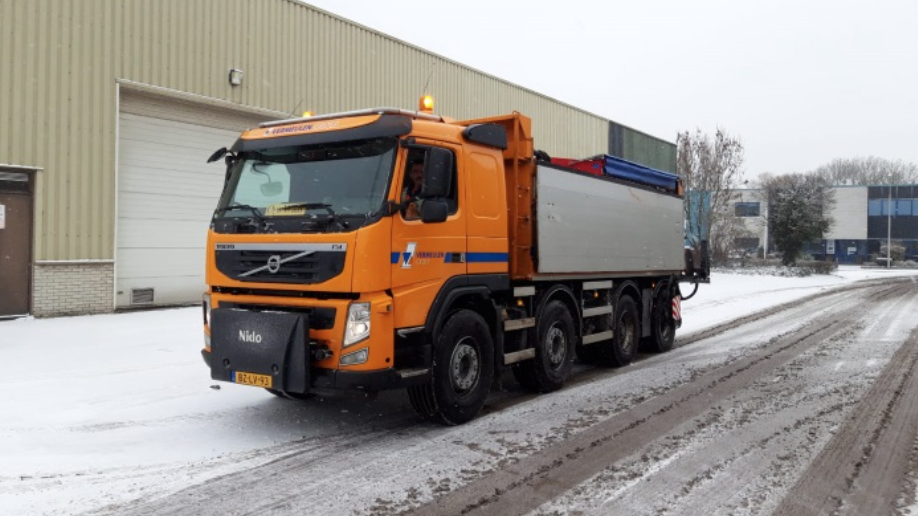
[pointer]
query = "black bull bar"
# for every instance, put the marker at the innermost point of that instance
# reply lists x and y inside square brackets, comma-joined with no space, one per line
[274,344]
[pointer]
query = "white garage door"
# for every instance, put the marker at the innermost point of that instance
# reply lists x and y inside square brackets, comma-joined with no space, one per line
[166,196]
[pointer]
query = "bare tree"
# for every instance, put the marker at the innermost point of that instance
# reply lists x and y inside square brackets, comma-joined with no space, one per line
[710,169]
[868,171]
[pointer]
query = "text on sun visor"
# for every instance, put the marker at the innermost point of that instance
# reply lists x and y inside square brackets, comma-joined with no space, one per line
[303,128]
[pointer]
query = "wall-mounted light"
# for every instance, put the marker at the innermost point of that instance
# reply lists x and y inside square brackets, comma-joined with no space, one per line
[235,76]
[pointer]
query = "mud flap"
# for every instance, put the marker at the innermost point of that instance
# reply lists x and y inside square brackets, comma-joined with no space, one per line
[677,310]
[266,343]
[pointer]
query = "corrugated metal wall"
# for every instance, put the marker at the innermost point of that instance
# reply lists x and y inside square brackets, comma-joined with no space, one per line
[627,143]
[60,61]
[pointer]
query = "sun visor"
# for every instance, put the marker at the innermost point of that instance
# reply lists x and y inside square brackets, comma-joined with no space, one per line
[320,132]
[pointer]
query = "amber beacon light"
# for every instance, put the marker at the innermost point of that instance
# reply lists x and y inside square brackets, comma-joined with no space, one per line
[426,104]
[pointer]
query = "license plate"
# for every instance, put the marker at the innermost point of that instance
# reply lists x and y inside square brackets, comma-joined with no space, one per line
[258,380]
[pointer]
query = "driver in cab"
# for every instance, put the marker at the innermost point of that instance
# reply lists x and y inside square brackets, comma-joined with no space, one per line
[412,190]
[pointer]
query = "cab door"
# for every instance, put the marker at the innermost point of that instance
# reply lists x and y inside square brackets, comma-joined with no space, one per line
[426,255]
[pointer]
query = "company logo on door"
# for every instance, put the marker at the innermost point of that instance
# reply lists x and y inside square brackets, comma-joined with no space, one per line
[408,255]
[412,256]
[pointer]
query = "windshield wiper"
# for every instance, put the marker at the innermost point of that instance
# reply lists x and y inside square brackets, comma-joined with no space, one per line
[236,206]
[309,206]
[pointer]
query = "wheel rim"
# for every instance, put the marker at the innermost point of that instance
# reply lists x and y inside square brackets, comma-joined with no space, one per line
[626,333]
[556,342]
[464,366]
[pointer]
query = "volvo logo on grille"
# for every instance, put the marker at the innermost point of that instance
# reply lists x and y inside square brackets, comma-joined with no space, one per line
[274,263]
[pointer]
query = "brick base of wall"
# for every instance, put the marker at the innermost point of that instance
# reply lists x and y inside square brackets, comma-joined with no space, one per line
[72,288]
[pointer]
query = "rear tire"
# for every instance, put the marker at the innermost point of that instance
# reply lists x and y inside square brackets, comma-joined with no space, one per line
[662,324]
[461,373]
[554,345]
[626,332]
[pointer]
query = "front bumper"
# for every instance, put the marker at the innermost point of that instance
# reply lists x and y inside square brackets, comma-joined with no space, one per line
[298,343]
[381,380]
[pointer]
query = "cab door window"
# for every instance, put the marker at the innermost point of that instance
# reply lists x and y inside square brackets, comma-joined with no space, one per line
[411,186]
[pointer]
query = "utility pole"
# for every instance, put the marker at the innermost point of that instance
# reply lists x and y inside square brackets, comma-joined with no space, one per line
[765,247]
[889,209]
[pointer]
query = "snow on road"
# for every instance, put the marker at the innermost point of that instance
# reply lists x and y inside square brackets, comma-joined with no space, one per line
[104,409]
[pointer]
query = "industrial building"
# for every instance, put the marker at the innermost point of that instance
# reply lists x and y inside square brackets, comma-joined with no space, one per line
[111,107]
[863,219]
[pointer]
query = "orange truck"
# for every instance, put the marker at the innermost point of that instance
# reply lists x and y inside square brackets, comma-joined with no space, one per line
[331,265]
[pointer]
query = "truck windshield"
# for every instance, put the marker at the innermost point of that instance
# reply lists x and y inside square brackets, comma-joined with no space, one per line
[331,187]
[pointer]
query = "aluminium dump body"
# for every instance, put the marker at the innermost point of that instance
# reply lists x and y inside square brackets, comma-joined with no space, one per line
[590,224]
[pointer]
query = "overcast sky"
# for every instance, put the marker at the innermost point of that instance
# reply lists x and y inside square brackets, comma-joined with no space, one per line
[800,82]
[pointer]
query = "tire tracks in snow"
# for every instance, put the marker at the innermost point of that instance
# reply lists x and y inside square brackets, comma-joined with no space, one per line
[881,432]
[539,467]
[527,484]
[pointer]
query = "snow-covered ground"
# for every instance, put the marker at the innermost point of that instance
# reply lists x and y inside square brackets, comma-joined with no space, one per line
[102,409]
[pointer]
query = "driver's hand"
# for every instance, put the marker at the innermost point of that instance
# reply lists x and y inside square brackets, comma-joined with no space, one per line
[411,212]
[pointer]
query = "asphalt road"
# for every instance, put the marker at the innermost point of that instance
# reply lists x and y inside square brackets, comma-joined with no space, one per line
[808,408]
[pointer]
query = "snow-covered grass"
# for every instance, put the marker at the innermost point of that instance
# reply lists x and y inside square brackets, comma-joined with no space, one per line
[100,409]
[732,295]
[781,271]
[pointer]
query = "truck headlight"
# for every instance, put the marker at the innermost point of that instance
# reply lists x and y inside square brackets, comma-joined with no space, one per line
[358,323]
[206,305]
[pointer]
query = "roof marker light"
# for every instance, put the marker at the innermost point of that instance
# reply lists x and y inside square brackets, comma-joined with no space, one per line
[426,104]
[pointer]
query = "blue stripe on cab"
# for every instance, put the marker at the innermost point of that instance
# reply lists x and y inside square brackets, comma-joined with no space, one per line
[469,257]
[486,257]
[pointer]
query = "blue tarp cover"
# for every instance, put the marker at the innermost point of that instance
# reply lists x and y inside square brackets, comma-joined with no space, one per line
[622,169]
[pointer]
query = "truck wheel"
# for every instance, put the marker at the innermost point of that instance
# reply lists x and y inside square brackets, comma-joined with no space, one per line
[463,367]
[554,347]
[625,335]
[662,325]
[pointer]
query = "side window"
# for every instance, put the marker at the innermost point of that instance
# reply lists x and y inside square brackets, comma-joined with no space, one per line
[746,209]
[411,186]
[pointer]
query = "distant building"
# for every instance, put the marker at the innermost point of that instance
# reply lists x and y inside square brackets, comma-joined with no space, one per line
[863,217]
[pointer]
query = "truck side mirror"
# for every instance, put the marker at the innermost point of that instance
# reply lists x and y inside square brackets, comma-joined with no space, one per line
[217,155]
[438,173]
[434,210]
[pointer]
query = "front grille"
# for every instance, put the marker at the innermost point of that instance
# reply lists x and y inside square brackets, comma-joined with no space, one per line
[280,265]
[304,268]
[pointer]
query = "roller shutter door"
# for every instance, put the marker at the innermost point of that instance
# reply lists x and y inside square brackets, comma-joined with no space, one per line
[166,196]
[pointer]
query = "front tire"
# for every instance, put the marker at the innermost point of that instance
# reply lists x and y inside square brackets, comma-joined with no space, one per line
[461,374]
[554,347]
